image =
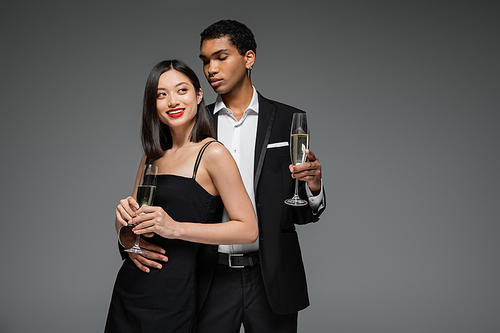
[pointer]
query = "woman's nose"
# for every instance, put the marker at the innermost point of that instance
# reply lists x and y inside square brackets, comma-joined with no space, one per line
[172,100]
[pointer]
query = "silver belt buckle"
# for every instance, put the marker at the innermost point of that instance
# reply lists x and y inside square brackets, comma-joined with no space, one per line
[234,255]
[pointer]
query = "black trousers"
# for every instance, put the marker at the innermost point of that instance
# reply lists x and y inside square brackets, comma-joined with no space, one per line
[237,296]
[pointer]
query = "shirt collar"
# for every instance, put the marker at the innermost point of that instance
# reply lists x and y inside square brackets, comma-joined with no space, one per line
[254,103]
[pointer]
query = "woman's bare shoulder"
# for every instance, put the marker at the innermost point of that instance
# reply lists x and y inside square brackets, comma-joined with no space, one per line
[216,150]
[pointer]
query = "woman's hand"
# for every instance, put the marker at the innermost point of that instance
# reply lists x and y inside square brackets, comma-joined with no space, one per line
[125,210]
[150,219]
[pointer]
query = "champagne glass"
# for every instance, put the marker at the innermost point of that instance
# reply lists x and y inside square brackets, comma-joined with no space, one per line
[145,196]
[299,142]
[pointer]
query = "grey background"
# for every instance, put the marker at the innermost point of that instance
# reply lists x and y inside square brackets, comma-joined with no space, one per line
[403,99]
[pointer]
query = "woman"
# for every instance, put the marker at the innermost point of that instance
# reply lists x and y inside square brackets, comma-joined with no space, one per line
[196,173]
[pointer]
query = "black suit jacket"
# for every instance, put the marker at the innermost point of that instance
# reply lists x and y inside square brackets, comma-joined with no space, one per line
[280,256]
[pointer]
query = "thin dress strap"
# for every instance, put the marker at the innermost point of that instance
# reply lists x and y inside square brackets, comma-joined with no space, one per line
[198,158]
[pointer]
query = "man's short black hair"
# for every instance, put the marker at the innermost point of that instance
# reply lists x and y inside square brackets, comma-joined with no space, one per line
[239,35]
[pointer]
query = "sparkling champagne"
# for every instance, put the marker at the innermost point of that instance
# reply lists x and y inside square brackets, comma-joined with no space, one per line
[145,195]
[299,144]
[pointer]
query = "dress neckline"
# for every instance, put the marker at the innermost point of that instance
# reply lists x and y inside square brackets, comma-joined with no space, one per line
[188,178]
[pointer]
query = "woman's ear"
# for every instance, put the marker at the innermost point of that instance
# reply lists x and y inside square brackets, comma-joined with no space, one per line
[199,96]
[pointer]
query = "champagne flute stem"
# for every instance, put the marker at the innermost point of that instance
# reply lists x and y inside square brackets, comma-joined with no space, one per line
[296,195]
[137,238]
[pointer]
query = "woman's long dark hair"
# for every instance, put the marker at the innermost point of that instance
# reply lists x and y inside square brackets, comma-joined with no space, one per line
[155,135]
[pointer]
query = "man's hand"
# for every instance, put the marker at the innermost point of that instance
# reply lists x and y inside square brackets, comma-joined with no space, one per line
[309,172]
[154,253]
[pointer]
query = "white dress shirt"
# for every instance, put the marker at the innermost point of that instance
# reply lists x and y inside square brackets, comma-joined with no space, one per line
[239,138]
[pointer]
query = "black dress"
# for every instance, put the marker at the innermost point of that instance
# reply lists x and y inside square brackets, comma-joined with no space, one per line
[164,300]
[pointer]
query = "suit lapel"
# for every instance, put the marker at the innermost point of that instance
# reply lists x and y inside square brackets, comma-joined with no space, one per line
[267,112]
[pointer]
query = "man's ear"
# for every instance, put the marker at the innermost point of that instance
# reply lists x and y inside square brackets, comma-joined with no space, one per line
[249,59]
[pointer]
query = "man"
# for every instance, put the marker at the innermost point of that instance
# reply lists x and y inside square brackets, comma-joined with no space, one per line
[260,285]
[267,287]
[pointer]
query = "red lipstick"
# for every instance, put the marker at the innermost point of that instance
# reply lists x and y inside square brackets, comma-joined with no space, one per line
[175,113]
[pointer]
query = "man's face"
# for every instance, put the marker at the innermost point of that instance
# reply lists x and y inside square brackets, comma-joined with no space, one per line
[224,68]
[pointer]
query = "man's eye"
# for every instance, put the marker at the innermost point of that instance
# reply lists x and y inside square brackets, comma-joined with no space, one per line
[223,58]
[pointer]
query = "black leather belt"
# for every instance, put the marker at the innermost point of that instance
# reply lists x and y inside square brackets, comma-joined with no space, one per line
[239,260]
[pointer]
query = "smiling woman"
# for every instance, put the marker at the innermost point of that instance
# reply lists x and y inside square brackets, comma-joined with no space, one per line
[177,99]
[196,177]
[156,136]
